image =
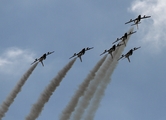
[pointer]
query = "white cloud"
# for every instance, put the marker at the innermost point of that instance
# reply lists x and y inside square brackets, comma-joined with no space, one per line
[153,29]
[15,60]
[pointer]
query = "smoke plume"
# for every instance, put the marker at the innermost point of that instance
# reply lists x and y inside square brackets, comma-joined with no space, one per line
[90,112]
[73,103]
[10,99]
[103,72]
[46,94]
[84,101]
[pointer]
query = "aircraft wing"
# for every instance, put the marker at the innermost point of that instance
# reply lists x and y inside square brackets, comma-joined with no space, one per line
[104,52]
[89,48]
[73,56]
[117,40]
[121,57]
[131,33]
[119,44]
[34,61]
[145,17]
[136,48]
[50,53]
[130,21]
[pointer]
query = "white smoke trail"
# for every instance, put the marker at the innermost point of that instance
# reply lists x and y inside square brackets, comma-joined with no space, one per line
[10,99]
[46,94]
[90,113]
[101,89]
[84,101]
[73,103]
[95,101]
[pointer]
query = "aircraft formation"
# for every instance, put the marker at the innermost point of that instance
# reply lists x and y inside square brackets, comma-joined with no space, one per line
[52,86]
[111,50]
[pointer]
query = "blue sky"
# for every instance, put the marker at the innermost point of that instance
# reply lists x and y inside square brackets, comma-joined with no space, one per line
[31,28]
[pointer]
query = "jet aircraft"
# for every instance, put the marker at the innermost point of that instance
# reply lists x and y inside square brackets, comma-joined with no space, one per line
[137,20]
[112,49]
[82,52]
[129,53]
[124,37]
[43,57]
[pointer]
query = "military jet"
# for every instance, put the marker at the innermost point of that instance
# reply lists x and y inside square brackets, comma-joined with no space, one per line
[82,52]
[137,20]
[43,57]
[124,37]
[112,49]
[129,53]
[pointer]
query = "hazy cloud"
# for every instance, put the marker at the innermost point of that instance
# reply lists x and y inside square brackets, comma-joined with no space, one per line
[14,60]
[153,29]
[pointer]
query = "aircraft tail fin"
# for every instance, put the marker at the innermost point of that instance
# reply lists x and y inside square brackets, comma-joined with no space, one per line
[80,58]
[42,63]
[136,24]
[128,59]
